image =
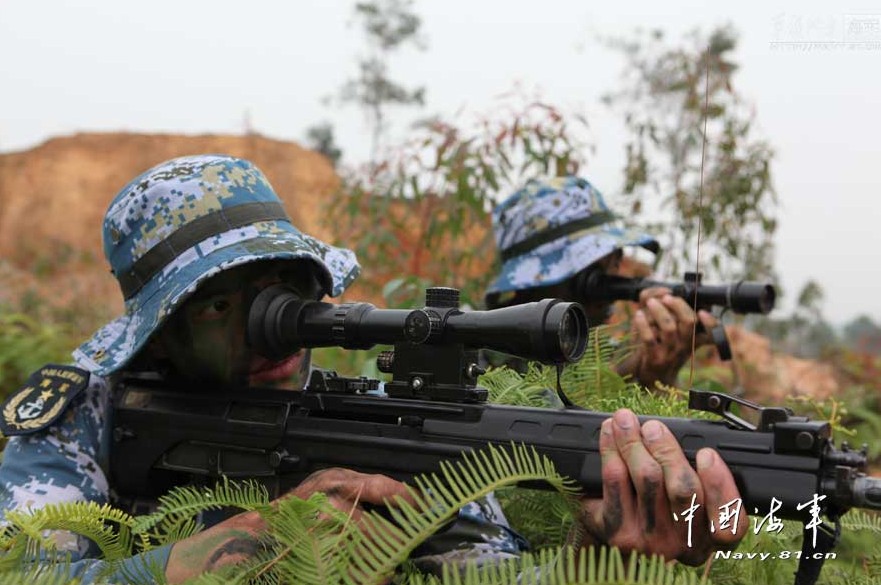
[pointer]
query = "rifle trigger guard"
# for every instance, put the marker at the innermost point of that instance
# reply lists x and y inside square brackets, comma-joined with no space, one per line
[719,403]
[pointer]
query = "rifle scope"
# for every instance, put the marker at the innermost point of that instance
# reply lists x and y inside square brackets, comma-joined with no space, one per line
[741,297]
[551,331]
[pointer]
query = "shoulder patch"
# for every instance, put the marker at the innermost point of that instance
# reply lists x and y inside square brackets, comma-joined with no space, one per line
[42,399]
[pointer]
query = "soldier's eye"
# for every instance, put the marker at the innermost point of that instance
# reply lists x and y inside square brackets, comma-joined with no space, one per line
[214,309]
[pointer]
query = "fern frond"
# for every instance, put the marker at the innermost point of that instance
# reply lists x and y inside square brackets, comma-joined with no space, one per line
[36,576]
[216,578]
[506,386]
[178,509]
[591,383]
[309,534]
[108,527]
[231,575]
[594,375]
[873,564]
[566,566]
[543,518]
[387,544]
[861,520]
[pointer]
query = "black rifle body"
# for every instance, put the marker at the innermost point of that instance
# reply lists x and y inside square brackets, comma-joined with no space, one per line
[282,436]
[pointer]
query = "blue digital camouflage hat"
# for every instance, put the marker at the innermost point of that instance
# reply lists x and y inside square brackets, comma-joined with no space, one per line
[183,222]
[551,229]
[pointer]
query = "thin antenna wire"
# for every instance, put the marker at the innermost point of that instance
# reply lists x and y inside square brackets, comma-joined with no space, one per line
[700,207]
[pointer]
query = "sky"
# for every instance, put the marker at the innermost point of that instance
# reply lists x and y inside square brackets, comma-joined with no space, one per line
[810,70]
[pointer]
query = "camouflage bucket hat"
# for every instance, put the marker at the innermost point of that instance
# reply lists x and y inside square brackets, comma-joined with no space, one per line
[183,222]
[552,229]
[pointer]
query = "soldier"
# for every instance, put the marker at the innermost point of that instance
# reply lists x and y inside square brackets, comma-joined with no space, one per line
[550,234]
[191,242]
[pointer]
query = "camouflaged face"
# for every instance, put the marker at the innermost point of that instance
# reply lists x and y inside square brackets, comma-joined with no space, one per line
[167,198]
[543,205]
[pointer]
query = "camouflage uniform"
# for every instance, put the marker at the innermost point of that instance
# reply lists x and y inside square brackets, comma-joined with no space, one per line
[546,233]
[240,220]
[551,229]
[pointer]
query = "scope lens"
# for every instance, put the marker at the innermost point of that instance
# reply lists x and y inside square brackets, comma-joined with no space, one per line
[571,335]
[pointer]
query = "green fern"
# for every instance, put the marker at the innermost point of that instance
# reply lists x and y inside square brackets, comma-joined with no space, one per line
[385,545]
[108,527]
[174,518]
[309,535]
[506,386]
[37,576]
[861,520]
[543,518]
[566,566]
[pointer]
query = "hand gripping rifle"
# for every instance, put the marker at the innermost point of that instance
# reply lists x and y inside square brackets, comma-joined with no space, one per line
[741,297]
[433,410]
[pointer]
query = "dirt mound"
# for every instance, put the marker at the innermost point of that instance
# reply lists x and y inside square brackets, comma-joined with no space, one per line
[767,374]
[53,198]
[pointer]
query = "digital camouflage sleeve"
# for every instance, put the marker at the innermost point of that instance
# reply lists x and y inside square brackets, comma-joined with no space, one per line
[69,460]
[66,462]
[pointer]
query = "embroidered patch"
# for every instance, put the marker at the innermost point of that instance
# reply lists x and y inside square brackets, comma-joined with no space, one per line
[42,399]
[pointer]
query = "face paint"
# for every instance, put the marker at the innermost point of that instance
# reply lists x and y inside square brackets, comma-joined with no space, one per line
[206,339]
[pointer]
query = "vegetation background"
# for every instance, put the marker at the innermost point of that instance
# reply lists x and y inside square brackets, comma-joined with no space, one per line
[417,215]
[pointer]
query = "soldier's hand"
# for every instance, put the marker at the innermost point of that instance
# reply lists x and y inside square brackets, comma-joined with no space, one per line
[646,479]
[230,542]
[238,538]
[663,329]
[348,490]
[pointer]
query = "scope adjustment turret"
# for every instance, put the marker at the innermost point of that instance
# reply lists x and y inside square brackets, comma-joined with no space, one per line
[442,297]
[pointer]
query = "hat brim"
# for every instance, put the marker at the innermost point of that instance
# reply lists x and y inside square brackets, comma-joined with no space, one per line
[563,258]
[115,344]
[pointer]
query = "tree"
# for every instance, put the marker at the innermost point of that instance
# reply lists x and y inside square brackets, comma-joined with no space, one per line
[321,139]
[388,26]
[421,215]
[805,332]
[864,335]
[692,157]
